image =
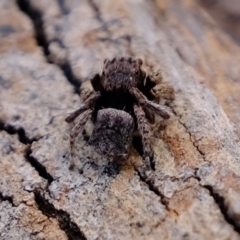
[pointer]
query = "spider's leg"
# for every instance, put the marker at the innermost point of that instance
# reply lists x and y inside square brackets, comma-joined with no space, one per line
[76,130]
[144,129]
[158,109]
[86,93]
[88,103]
[145,103]
[149,114]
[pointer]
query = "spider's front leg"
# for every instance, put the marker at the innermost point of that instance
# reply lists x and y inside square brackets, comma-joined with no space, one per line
[88,103]
[84,112]
[89,98]
[144,129]
[145,103]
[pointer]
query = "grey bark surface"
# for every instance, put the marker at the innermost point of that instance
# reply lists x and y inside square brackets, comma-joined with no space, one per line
[48,50]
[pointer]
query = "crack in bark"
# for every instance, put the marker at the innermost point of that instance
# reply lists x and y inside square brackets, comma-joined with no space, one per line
[68,73]
[27,141]
[7,198]
[98,14]
[220,201]
[193,142]
[37,165]
[149,183]
[16,130]
[36,17]
[105,27]
[63,8]
[189,133]
[69,227]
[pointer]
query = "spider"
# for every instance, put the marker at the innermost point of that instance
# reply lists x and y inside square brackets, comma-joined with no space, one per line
[121,102]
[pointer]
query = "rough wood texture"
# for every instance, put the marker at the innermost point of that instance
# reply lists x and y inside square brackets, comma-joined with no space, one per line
[193,193]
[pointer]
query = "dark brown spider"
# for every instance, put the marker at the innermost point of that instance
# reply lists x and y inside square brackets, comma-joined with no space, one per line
[122,100]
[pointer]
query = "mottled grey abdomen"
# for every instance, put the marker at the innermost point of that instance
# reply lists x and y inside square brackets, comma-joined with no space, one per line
[112,134]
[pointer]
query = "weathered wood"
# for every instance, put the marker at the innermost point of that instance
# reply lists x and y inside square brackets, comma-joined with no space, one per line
[193,193]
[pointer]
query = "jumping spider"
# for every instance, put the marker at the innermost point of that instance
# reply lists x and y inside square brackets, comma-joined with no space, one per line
[121,101]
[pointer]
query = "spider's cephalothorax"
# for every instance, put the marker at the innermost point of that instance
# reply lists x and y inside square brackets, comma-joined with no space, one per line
[122,100]
[121,75]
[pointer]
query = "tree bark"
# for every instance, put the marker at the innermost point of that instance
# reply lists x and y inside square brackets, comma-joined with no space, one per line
[51,48]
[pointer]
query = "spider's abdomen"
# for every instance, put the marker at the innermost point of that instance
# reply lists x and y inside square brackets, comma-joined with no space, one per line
[112,134]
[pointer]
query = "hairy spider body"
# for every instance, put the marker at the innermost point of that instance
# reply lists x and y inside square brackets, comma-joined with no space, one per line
[120,102]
